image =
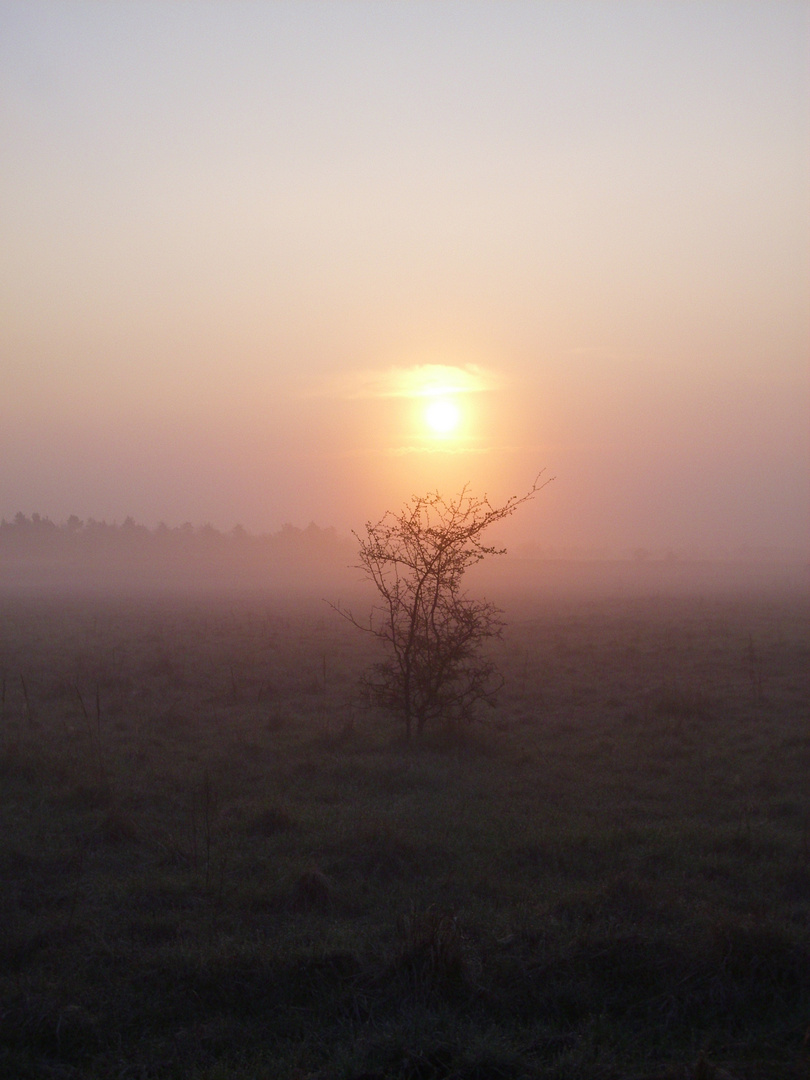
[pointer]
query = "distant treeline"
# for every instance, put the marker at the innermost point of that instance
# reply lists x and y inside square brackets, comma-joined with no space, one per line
[76,555]
[38,535]
[36,549]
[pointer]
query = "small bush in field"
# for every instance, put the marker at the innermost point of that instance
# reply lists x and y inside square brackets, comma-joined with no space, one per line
[433,632]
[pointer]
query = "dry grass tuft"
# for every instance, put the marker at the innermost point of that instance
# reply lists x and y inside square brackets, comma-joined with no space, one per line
[117,827]
[312,891]
[433,957]
[89,795]
[381,854]
[269,821]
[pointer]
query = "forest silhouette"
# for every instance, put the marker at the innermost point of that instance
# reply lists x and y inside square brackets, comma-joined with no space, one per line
[37,551]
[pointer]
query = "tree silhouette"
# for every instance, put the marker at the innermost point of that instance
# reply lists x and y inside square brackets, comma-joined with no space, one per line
[432,631]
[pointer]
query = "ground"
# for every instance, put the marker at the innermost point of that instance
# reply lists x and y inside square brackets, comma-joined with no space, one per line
[216,865]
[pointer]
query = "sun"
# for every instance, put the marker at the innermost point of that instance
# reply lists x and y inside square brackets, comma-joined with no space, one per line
[442,416]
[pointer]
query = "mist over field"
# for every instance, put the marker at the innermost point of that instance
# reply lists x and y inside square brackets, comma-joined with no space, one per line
[218,860]
[39,556]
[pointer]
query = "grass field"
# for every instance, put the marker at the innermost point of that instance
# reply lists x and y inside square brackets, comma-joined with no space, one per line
[214,865]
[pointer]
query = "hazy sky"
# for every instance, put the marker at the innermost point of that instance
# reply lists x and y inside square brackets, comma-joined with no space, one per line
[243,246]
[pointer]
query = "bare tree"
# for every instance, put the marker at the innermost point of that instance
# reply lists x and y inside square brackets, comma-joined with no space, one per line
[433,633]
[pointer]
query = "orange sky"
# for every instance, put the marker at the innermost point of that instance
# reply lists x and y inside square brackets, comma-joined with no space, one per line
[241,242]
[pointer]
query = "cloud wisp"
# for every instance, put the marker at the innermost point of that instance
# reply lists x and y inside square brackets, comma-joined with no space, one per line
[417,381]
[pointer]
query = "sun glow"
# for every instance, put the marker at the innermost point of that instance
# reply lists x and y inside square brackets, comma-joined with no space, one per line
[442,416]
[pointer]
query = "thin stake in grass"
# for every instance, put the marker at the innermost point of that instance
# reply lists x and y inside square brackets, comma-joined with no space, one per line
[753,669]
[82,846]
[95,735]
[28,712]
[83,707]
[216,896]
[207,800]
[524,674]
[203,801]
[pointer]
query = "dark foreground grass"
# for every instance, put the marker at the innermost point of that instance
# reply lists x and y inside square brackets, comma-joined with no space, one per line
[214,866]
